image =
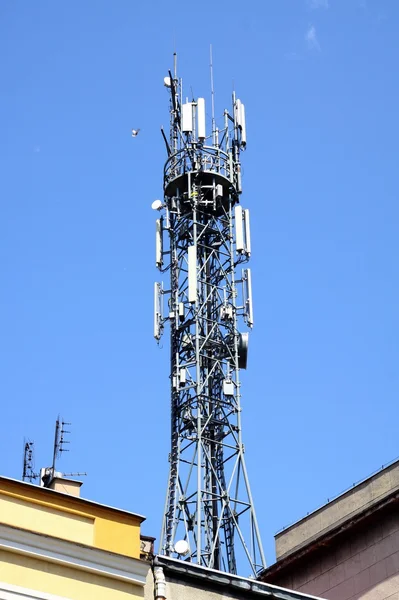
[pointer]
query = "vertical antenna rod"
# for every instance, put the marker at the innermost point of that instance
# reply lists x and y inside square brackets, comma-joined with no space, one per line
[203,242]
[212,98]
[56,445]
[58,448]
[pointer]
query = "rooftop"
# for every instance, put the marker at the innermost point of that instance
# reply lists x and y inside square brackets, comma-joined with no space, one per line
[40,510]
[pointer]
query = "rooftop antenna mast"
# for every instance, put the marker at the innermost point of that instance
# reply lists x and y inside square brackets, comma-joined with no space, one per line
[203,243]
[59,440]
[28,472]
[60,432]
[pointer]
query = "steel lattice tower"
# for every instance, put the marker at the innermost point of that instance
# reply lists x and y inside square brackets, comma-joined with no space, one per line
[203,241]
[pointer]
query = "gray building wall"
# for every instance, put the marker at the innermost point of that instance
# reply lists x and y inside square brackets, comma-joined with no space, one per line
[347,549]
[345,508]
[363,566]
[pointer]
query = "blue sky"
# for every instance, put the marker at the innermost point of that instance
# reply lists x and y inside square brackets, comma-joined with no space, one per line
[319,80]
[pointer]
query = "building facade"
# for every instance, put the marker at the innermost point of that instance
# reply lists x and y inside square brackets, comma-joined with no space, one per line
[349,548]
[55,545]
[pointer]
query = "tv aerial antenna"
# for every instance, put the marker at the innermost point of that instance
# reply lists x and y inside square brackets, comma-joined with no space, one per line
[28,471]
[59,448]
[59,440]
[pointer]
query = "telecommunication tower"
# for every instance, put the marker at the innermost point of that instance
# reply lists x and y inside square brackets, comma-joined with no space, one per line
[203,242]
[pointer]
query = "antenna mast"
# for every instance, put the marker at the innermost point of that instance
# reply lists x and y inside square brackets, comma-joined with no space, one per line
[59,440]
[47,474]
[28,472]
[203,242]
[214,140]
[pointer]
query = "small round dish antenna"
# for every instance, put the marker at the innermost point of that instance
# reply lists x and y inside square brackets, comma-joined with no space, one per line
[182,548]
[167,82]
[156,205]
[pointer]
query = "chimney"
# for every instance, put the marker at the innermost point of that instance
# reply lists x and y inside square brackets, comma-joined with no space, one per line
[65,486]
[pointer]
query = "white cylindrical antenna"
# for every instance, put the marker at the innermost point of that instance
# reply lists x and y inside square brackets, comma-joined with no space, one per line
[187,117]
[243,126]
[158,243]
[240,247]
[247,232]
[181,311]
[181,91]
[157,311]
[226,131]
[201,118]
[237,111]
[192,273]
[249,307]
[213,100]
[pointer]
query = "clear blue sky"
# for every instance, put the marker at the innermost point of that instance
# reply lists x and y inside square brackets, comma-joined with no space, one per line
[319,80]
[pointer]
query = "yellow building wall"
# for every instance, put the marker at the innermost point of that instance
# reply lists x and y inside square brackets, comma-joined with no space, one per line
[63,581]
[69,518]
[117,536]
[43,519]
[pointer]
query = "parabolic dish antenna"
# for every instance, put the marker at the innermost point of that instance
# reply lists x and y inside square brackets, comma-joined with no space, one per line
[181,547]
[156,205]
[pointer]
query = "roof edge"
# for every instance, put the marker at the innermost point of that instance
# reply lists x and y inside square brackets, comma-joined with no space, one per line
[78,499]
[338,497]
[214,578]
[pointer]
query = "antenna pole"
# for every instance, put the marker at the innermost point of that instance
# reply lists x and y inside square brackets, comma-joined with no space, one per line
[28,473]
[212,98]
[56,442]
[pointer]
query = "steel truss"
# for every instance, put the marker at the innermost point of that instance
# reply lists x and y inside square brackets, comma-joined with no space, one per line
[209,502]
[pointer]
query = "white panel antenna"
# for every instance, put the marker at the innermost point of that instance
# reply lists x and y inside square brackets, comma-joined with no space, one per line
[201,118]
[192,273]
[158,318]
[237,113]
[243,127]
[247,232]
[159,243]
[239,116]
[247,281]
[243,233]
[187,117]
[181,311]
[183,376]
[228,387]
[238,215]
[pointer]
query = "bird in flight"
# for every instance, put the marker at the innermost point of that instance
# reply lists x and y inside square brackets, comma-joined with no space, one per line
[135,132]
